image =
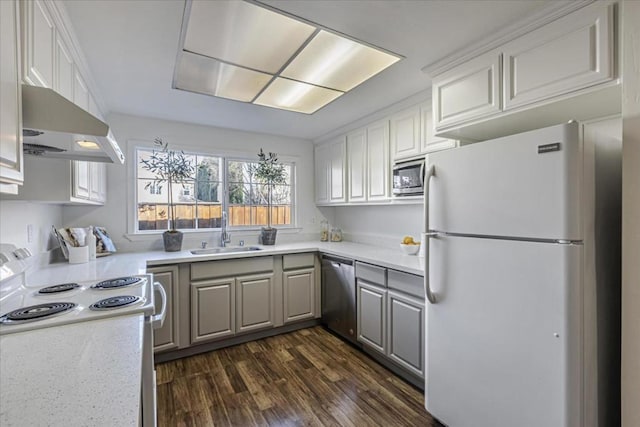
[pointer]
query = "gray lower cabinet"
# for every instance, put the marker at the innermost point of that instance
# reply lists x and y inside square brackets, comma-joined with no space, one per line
[405,317]
[212,309]
[391,317]
[254,302]
[299,289]
[166,338]
[372,314]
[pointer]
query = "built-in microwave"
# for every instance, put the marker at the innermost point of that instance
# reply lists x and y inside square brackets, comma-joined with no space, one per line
[408,178]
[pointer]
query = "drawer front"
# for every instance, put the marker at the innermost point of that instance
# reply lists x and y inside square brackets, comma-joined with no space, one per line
[230,267]
[371,273]
[293,261]
[407,283]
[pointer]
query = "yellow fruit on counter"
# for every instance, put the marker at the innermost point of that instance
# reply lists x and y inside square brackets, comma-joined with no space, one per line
[408,240]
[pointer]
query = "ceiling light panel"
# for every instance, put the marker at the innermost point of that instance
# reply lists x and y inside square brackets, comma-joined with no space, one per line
[200,74]
[244,34]
[296,96]
[336,62]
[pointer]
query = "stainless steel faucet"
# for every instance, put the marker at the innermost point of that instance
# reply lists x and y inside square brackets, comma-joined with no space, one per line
[224,236]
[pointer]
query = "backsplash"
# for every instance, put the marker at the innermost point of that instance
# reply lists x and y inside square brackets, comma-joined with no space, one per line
[28,224]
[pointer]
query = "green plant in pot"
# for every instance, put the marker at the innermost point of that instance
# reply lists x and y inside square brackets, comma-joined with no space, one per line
[270,173]
[170,167]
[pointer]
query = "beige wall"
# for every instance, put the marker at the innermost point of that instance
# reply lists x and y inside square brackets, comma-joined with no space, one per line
[631,215]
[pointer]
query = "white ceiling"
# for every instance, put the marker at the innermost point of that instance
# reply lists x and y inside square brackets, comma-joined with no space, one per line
[131,47]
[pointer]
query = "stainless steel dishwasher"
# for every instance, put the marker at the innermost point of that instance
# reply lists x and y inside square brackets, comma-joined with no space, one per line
[339,296]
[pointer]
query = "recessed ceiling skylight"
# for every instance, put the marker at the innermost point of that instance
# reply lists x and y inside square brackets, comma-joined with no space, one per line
[244,51]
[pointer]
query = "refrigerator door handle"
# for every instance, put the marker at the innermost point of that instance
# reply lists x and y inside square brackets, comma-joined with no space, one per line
[427,235]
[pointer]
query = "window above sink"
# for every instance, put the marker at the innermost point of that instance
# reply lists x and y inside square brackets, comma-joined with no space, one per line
[219,184]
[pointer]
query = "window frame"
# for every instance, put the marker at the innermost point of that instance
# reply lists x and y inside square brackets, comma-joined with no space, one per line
[134,233]
[293,193]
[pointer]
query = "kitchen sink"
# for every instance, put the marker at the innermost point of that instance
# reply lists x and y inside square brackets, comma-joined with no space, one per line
[225,250]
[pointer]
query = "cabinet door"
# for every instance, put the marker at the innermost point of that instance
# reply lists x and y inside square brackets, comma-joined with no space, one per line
[254,304]
[372,314]
[378,164]
[467,92]
[97,182]
[64,70]
[80,91]
[405,133]
[166,337]
[357,165]
[38,48]
[568,54]
[406,331]
[337,173]
[299,291]
[212,310]
[11,167]
[429,142]
[322,174]
[81,178]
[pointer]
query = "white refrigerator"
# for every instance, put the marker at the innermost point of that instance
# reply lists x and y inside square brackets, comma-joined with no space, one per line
[523,281]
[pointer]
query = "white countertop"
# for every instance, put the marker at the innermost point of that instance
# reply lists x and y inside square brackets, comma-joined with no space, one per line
[85,374]
[50,376]
[124,264]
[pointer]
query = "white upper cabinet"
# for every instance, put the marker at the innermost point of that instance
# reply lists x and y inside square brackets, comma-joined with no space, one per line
[80,92]
[405,133]
[331,172]
[368,163]
[11,166]
[468,91]
[321,157]
[565,69]
[38,43]
[429,142]
[337,173]
[64,76]
[357,165]
[378,163]
[568,54]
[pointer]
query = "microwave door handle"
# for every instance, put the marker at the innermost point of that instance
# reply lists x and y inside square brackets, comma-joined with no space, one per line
[422,176]
[431,297]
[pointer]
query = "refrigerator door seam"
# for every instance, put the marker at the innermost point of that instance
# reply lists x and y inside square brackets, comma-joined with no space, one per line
[436,233]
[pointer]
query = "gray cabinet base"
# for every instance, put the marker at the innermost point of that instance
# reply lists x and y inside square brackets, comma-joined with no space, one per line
[204,348]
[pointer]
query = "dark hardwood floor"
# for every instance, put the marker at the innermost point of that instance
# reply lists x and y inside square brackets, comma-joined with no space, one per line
[308,377]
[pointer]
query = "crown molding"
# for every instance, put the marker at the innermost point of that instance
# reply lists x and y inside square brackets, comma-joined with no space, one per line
[550,13]
[410,101]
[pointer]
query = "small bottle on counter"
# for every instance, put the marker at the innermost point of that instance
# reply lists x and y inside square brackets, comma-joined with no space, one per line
[91,243]
[324,230]
[336,235]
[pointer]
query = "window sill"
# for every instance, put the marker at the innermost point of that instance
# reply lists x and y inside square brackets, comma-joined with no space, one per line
[195,234]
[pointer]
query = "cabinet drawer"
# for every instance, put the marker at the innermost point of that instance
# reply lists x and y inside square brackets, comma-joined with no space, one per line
[371,273]
[230,267]
[293,261]
[407,283]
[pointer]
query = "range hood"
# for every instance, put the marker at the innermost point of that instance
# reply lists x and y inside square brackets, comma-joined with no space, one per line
[55,127]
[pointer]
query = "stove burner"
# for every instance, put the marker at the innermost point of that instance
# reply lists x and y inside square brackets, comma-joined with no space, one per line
[120,282]
[115,302]
[36,312]
[64,287]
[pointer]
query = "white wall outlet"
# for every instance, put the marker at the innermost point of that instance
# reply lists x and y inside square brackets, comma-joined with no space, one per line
[29,233]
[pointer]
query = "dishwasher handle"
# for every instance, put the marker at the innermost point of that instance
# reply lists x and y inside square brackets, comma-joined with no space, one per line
[337,260]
